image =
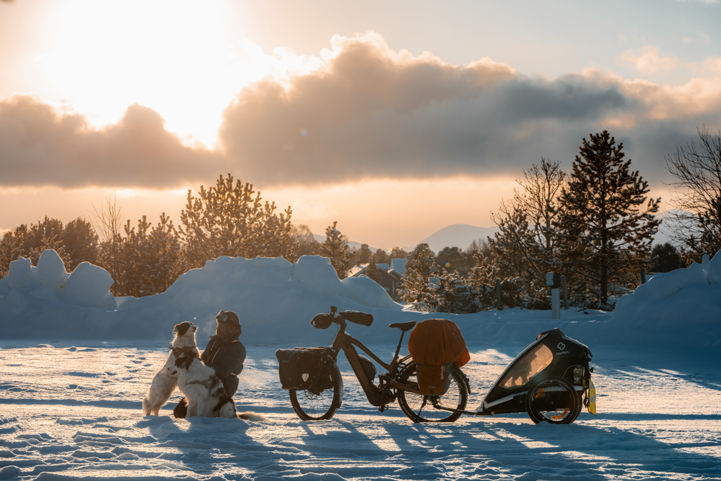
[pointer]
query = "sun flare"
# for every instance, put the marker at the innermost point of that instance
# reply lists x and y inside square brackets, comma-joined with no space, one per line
[183,59]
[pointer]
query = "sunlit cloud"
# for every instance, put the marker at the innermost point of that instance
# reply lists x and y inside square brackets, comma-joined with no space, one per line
[362,110]
[649,60]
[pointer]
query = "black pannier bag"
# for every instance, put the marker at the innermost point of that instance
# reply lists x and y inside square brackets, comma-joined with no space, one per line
[304,368]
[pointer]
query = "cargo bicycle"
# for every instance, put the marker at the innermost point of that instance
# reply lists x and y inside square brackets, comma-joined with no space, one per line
[315,385]
[550,380]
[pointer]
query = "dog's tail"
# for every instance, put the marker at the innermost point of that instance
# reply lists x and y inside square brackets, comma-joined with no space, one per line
[251,416]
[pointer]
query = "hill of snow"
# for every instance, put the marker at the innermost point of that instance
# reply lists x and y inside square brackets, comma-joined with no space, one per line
[276,299]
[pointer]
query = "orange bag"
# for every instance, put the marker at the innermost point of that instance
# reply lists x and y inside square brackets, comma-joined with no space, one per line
[433,344]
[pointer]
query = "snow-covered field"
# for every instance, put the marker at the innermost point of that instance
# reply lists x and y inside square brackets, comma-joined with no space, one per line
[75,363]
[72,412]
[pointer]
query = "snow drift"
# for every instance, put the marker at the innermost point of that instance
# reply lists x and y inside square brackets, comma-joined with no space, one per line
[276,299]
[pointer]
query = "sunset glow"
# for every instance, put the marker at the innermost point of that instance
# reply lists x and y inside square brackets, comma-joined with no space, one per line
[365,115]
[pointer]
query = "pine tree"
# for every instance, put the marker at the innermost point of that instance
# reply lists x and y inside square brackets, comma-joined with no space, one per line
[149,258]
[231,219]
[362,256]
[80,242]
[518,258]
[335,247]
[607,222]
[419,285]
[665,257]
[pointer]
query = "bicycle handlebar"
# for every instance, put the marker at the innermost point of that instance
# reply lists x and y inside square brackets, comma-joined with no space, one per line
[324,320]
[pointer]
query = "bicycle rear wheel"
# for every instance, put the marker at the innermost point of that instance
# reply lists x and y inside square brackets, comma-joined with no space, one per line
[311,406]
[420,408]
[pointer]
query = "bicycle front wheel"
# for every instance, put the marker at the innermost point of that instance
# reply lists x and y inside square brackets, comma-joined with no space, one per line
[311,406]
[421,408]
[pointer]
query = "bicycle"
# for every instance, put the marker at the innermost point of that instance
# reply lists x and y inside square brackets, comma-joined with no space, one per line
[315,385]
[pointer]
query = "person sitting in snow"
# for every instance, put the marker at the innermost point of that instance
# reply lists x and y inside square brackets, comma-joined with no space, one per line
[224,353]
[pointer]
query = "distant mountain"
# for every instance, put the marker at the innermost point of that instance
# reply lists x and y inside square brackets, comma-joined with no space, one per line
[457,235]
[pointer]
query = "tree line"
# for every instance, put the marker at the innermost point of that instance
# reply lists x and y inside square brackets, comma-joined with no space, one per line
[594,225]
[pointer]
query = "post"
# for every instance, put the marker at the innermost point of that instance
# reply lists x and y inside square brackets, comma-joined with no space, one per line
[564,291]
[553,280]
[498,295]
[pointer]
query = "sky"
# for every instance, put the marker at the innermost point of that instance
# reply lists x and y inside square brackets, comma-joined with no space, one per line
[394,118]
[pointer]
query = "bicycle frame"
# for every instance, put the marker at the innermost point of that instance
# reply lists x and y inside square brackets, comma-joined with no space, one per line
[375,395]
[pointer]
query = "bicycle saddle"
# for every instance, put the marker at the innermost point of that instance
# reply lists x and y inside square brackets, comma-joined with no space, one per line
[403,326]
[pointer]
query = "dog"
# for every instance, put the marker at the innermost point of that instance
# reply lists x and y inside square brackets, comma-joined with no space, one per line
[166,379]
[202,388]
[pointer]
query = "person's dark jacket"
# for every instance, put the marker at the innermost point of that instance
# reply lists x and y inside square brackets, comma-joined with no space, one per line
[226,356]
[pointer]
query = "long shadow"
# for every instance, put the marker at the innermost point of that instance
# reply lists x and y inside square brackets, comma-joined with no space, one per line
[628,448]
[473,451]
[700,368]
[598,452]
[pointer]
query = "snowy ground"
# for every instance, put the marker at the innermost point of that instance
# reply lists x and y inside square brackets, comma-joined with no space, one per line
[72,411]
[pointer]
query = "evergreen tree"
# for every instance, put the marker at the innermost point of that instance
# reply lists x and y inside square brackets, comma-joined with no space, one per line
[80,243]
[518,259]
[419,285]
[455,294]
[13,245]
[607,223]
[335,247]
[46,234]
[665,257]
[380,257]
[398,253]
[30,242]
[230,219]
[362,255]
[453,259]
[149,256]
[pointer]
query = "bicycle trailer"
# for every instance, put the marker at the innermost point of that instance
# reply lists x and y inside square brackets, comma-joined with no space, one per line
[550,380]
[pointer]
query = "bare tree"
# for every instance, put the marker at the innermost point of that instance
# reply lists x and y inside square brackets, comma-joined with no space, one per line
[110,226]
[542,185]
[697,168]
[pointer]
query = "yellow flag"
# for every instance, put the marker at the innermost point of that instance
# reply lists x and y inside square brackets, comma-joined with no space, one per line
[591,398]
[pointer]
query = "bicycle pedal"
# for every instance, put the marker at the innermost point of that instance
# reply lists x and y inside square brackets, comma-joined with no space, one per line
[382,408]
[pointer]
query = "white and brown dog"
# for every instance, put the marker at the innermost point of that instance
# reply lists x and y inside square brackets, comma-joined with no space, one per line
[203,389]
[166,379]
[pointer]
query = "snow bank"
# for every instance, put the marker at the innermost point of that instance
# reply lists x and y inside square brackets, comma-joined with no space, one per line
[276,299]
[49,283]
[684,304]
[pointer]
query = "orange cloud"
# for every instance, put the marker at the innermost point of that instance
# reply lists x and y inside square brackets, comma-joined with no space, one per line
[366,111]
[41,146]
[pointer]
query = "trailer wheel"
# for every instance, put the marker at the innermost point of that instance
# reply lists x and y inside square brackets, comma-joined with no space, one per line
[554,401]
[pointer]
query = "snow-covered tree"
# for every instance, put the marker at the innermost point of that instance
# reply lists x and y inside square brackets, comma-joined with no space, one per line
[419,287]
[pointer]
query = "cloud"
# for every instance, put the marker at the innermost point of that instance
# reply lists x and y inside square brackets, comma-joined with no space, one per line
[650,61]
[42,147]
[367,111]
[375,112]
